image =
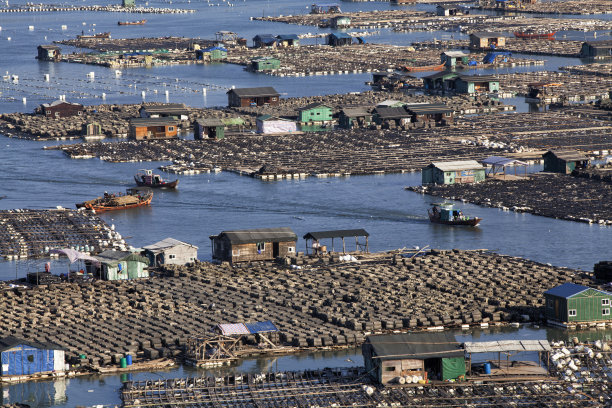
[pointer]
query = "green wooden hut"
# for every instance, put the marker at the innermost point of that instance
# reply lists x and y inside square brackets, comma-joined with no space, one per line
[471,84]
[265,64]
[426,355]
[453,172]
[571,303]
[315,112]
[119,265]
[128,3]
[564,161]
[209,128]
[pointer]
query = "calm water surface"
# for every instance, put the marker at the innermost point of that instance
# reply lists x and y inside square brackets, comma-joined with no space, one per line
[209,203]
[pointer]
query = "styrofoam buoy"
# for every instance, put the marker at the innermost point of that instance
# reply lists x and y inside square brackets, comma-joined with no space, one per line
[203,91]
[31,28]
[103,96]
[64,27]
[143,94]
[24,100]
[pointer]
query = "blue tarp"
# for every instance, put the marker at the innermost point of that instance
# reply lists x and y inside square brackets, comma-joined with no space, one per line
[24,360]
[261,327]
[214,48]
[490,57]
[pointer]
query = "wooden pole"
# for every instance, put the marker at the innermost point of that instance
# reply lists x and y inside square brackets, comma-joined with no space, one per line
[343,246]
[367,248]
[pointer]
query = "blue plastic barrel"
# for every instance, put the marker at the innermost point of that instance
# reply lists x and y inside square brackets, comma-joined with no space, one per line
[128,359]
[487,368]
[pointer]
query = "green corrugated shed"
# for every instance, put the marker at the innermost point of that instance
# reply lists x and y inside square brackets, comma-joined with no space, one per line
[315,112]
[121,265]
[571,303]
[265,64]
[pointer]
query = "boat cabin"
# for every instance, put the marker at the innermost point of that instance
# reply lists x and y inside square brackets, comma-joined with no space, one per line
[447,212]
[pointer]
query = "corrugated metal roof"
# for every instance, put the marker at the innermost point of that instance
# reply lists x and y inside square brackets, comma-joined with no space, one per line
[229,329]
[210,122]
[356,112]
[502,161]
[391,113]
[568,289]
[58,102]
[456,54]
[166,108]
[337,234]
[442,75]
[568,155]
[165,244]
[457,165]
[414,346]
[313,105]
[261,327]
[111,256]
[506,346]
[259,235]
[254,92]
[265,37]
[428,108]
[152,122]
[489,35]
[600,44]
[287,37]
[340,35]
[478,78]
[12,341]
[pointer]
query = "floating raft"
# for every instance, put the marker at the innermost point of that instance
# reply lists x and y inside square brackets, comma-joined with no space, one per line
[339,387]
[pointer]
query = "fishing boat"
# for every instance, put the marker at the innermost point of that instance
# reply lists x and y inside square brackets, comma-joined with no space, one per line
[146,178]
[93,36]
[530,35]
[139,22]
[445,214]
[424,68]
[111,202]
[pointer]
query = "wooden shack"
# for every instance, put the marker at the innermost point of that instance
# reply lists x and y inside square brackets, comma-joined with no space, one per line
[436,113]
[596,49]
[61,109]
[391,115]
[253,245]
[448,10]
[316,237]
[340,22]
[564,161]
[118,265]
[170,251]
[21,357]
[268,124]
[339,39]
[315,112]
[245,97]
[427,356]
[264,40]
[209,128]
[355,117]
[570,303]
[49,53]
[439,80]
[153,128]
[453,172]
[487,40]
[288,40]
[211,53]
[265,64]
[471,84]
[177,111]
[450,58]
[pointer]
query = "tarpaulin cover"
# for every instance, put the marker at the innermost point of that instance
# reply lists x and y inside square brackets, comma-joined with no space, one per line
[261,327]
[233,328]
[452,368]
[74,255]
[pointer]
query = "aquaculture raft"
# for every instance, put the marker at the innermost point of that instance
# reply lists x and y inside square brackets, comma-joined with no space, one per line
[339,387]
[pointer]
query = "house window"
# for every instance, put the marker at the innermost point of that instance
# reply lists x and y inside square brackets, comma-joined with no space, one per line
[605,312]
[390,368]
[605,302]
[171,256]
[170,128]
[261,246]
[235,252]
[290,249]
[572,312]
[79,113]
[57,114]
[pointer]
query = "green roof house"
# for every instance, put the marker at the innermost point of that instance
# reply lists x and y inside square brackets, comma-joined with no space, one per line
[315,112]
[570,303]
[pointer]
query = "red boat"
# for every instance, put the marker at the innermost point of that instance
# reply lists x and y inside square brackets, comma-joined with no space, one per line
[111,202]
[527,35]
[424,68]
[139,22]
[447,215]
[146,178]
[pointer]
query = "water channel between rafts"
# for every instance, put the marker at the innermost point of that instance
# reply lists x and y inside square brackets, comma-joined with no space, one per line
[209,203]
[102,389]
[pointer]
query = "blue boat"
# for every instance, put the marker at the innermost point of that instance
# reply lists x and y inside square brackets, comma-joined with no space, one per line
[446,214]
